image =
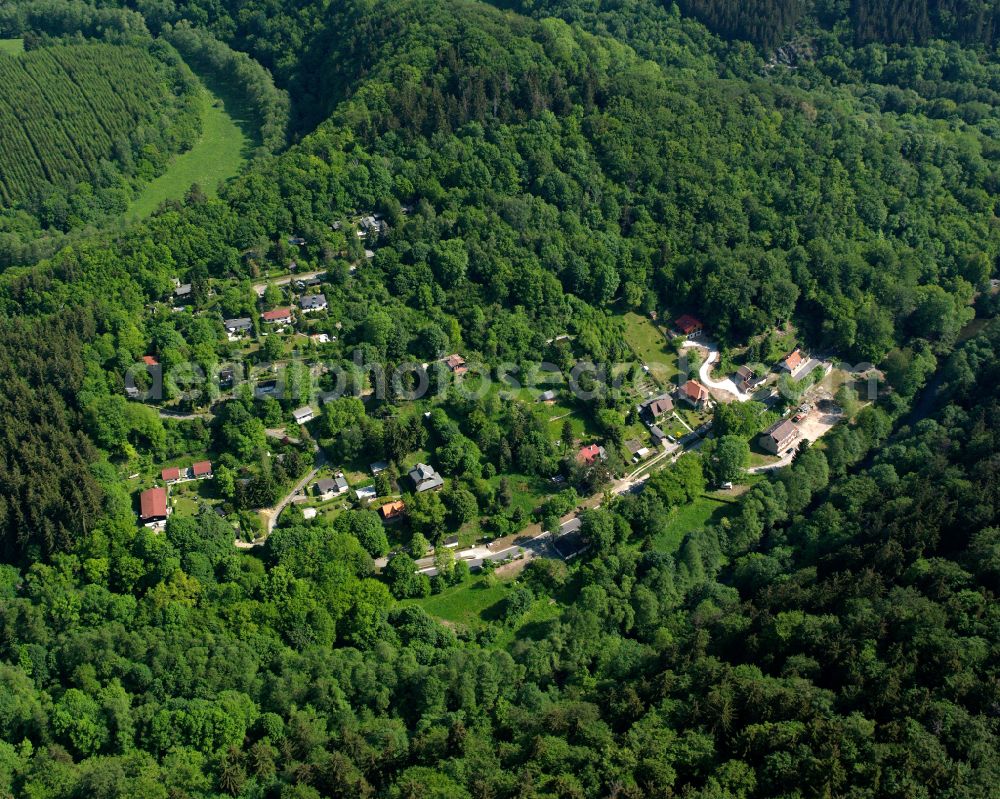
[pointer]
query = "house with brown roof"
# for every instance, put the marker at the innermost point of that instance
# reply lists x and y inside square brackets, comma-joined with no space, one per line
[456,363]
[153,508]
[747,379]
[656,408]
[689,325]
[779,437]
[694,393]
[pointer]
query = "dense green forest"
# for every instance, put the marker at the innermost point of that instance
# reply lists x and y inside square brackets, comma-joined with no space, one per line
[539,170]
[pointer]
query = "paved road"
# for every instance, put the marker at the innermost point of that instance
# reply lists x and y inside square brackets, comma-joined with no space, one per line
[784,460]
[705,372]
[273,513]
[260,286]
[165,413]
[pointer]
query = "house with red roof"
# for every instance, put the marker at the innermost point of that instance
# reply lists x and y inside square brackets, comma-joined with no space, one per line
[173,475]
[153,508]
[694,393]
[150,360]
[689,325]
[202,470]
[278,316]
[590,454]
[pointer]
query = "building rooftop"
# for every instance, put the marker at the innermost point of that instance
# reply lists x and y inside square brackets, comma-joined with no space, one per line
[153,503]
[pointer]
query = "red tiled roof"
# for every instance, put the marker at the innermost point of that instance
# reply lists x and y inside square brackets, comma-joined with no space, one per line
[153,503]
[201,468]
[277,313]
[688,324]
[793,361]
[173,473]
[391,509]
[149,360]
[588,454]
[694,390]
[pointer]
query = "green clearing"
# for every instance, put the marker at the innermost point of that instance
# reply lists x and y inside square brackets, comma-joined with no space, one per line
[12,46]
[226,140]
[469,604]
[650,346]
[707,509]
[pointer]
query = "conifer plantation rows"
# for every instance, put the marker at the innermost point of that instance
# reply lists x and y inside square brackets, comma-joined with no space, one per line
[67,110]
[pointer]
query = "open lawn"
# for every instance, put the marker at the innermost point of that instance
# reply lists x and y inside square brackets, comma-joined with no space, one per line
[220,152]
[707,509]
[471,604]
[11,46]
[650,346]
[185,506]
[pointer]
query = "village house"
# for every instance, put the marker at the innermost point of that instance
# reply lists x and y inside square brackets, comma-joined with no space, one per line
[688,325]
[779,437]
[392,510]
[303,414]
[588,455]
[371,224]
[297,241]
[183,292]
[227,376]
[313,302]
[694,393]
[747,379]
[150,360]
[656,408]
[456,363]
[658,435]
[366,493]
[202,470]
[240,326]
[266,388]
[173,475]
[794,363]
[425,478]
[331,487]
[153,507]
[547,396]
[279,316]
[378,466]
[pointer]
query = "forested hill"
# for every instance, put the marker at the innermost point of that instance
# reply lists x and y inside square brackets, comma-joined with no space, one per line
[768,23]
[828,629]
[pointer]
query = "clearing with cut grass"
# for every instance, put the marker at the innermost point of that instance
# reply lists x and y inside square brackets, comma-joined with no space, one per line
[226,140]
